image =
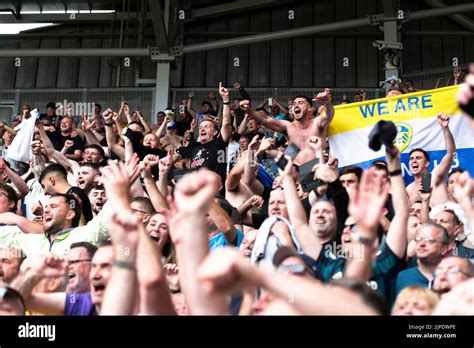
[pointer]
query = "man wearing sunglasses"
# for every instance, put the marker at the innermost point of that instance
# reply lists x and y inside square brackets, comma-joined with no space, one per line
[432,242]
[287,260]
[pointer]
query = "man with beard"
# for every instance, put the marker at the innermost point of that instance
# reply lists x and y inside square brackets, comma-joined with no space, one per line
[87,176]
[432,242]
[63,303]
[79,260]
[60,220]
[304,125]
[98,198]
[53,179]
[420,161]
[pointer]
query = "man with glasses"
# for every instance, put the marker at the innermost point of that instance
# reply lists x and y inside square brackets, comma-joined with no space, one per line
[79,260]
[288,260]
[432,241]
[142,208]
[450,272]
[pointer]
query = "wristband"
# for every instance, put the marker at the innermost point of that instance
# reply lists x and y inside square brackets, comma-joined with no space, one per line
[109,124]
[395,172]
[125,265]
[226,103]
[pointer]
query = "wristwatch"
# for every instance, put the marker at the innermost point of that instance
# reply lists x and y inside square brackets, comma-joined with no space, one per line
[361,239]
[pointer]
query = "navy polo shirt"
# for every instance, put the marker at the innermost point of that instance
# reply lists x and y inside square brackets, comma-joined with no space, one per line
[411,277]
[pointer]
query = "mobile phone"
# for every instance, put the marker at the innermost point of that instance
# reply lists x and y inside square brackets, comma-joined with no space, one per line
[307,181]
[292,151]
[270,102]
[426,182]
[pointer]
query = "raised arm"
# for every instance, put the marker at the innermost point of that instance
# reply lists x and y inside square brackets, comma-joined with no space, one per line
[439,174]
[324,98]
[7,128]
[156,197]
[190,105]
[298,218]
[58,156]
[144,123]
[16,180]
[25,225]
[226,129]
[365,207]
[188,229]
[92,137]
[164,167]
[397,235]
[242,91]
[250,175]
[226,272]
[110,134]
[243,125]
[49,266]
[162,129]
[262,118]
[223,223]
[124,110]
[120,294]
[463,193]
[233,178]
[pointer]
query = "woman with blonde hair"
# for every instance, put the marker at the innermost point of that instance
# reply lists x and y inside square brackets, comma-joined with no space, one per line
[415,300]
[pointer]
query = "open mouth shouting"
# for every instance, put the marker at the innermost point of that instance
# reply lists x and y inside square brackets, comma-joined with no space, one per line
[297,112]
[98,288]
[155,236]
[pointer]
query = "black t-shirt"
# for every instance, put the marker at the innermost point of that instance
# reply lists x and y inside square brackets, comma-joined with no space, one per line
[58,141]
[85,204]
[212,155]
[141,150]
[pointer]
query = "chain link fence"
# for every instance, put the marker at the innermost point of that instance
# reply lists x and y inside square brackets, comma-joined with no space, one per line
[258,94]
[140,98]
[433,78]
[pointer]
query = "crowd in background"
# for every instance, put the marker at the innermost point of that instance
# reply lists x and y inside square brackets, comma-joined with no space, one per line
[226,206]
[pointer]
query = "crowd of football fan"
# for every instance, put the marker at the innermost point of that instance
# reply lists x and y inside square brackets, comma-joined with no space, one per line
[226,208]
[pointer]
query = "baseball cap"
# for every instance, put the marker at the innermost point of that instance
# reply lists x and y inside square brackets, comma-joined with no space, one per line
[285,252]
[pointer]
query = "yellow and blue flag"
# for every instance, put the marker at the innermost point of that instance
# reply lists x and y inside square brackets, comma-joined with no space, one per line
[414,116]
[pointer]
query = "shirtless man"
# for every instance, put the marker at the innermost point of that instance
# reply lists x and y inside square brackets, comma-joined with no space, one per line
[419,163]
[304,125]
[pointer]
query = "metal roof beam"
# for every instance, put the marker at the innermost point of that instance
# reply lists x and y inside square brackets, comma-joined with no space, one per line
[234,7]
[315,29]
[458,18]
